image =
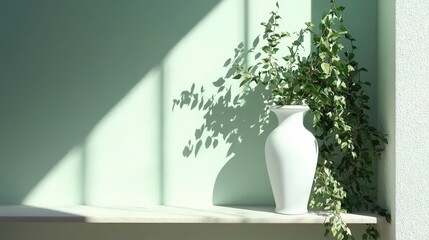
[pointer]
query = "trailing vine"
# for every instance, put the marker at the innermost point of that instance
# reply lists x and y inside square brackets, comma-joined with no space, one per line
[328,80]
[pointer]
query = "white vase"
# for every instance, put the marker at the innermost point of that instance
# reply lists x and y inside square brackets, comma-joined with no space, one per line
[291,155]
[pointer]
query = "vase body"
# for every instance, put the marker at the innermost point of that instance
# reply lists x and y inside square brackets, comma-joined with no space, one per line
[291,155]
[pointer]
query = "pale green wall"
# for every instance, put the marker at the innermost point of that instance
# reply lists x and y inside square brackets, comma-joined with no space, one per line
[86,97]
[87,91]
[386,109]
[80,94]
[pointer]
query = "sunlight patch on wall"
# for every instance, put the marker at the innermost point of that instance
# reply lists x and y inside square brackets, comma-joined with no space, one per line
[62,185]
[197,59]
[122,152]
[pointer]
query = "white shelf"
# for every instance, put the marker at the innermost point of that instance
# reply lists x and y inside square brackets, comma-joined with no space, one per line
[167,214]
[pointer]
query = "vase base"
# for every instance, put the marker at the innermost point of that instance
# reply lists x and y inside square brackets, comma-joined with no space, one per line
[291,212]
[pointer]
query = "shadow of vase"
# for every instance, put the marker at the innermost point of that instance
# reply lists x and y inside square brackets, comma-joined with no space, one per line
[244,178]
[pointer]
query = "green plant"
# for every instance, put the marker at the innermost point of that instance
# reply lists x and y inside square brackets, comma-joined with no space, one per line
[328,80]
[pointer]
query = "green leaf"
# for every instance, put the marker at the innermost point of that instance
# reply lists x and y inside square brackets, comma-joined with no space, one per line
[271,20]
[341,8]
[266,60]
[349,37]
[285,34]
[349,55]
[325,67]
[266,49]
[268,28]
[244,82]
[247,75]
[323,55]
[349,232]
[238,76]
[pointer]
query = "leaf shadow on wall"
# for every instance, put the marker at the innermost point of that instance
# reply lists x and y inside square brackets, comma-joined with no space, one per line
[241,120]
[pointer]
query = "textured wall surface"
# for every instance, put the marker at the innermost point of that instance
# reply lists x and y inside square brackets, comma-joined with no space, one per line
[412,133]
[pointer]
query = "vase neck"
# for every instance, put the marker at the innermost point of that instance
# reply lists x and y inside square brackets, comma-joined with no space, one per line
[284,112]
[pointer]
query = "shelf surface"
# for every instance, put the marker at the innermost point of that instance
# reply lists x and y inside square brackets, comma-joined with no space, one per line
[167,214]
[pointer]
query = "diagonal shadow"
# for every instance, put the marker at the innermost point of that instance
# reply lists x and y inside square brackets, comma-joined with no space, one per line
[65,65]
